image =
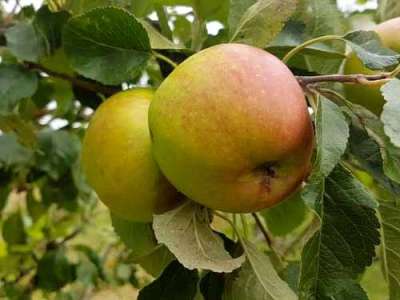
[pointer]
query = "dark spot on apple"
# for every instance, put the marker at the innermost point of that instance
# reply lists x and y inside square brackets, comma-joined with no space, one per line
[266,171]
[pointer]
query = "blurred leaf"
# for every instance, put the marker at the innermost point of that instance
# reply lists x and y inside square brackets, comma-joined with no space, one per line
[58,150]
[157,40]
[13,153]
[62,192]
[55,271]
[294,34]
[187,234]
[49,27]
[157,261]
[23,129]
[292,210]
[365,152]
[390,220]
[15,84]
[24,42]
[262,21]
[236,11]
[388,9]
[138,237]
[320,17]
[175,282]
[390,154]
[212,286]
[335,256]
[391,111]
[369,49]
[13,231]
[256,279]
[106,44]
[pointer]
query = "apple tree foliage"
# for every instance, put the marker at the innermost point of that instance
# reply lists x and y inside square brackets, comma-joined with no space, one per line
[336,238]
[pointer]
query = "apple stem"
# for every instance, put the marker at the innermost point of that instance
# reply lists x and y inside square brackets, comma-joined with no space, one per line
[165,59]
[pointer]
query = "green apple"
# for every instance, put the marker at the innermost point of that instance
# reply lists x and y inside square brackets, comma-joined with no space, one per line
[370,96]
[231,129]
[118,162]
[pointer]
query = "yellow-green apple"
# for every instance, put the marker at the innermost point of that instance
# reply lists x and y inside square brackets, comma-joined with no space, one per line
[231,129]
[370,96]
[118,162]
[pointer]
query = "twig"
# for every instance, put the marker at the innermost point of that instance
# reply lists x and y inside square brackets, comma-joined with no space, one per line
[84,84]
[350,79]
[262,229]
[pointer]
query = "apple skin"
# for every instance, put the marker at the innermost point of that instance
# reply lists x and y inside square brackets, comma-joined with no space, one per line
[231,129]
[118,162]
[370,96]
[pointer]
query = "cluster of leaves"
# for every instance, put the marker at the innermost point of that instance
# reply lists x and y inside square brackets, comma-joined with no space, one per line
[58,64]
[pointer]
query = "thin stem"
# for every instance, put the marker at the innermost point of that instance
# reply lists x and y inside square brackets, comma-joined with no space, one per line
[234,220]
[84,84]
[301,47]
[163,19]
[244,225]
[166,59]
[263,229]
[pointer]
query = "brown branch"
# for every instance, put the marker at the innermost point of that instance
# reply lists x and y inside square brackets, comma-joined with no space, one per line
[82,83]
[350,79]
[262,229]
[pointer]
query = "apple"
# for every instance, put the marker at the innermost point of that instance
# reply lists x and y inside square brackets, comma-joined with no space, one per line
[118,162]
[231,129]
[370,96]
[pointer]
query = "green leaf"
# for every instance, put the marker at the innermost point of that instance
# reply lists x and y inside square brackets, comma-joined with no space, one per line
[292,210]
[187,234]
[15,84]
[332,133]
[388,9]
[58,151]
[13,153]
[345,244]
[390,153]
[106,44]
[369,49]
[175,282]
[390,220]
[54,270]
[24,42]
[13,231]
[138,237]
[391,111]
[157,40]
[256,279]
[262,21]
